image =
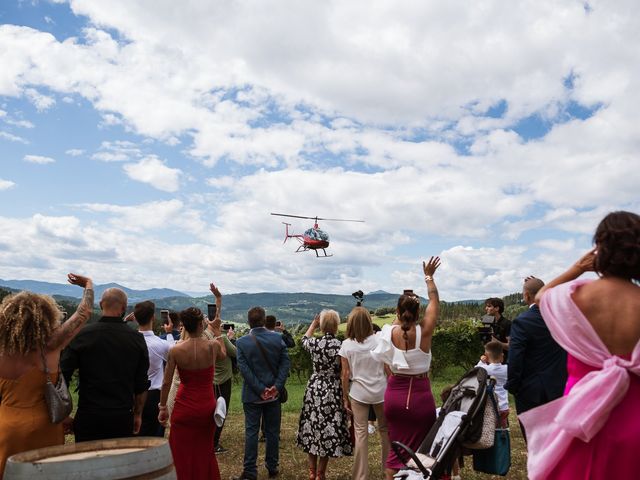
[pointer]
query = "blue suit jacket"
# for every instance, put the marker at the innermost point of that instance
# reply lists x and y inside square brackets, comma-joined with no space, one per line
[256,373]
[537,370]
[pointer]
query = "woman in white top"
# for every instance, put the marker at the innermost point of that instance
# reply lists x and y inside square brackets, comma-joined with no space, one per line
[405,347]
[368,384]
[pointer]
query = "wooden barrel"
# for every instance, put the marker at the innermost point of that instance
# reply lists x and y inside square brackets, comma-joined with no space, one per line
[119,458]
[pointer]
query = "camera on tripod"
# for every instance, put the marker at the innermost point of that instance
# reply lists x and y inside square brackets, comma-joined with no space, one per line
[485,332]
[359,296]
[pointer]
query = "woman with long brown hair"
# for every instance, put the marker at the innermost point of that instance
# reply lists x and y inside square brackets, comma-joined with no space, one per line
[405,347]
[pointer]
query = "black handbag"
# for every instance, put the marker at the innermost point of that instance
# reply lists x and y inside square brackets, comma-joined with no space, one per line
[283,394]
[58,398]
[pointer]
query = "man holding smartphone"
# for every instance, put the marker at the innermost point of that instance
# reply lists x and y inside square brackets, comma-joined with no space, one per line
[144,315]
[274,325]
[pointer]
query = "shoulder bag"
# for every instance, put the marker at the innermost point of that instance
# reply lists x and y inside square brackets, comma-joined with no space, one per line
[283,394]
[58,398]
[497,459]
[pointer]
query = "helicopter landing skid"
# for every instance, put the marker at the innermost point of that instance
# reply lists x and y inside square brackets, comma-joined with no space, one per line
[304,248]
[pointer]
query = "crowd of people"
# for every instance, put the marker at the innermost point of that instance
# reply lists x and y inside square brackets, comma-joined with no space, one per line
[571,362]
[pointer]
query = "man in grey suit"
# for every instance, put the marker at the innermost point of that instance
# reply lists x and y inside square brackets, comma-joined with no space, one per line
[264,364]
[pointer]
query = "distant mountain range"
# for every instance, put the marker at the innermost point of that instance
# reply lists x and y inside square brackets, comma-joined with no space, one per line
[68,290]
[292,308]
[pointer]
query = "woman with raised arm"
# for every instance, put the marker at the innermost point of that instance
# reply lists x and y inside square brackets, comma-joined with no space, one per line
[192,420]
[594,430]
[405,348]
[31,334]
[322,430]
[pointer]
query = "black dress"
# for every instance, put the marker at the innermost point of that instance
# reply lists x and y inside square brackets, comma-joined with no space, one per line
[323,429]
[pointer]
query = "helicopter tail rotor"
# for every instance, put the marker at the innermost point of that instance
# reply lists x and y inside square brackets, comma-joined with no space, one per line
[286,232]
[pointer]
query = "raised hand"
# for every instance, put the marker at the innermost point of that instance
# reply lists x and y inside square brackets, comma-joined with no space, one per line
[81,281]
[587,262]
[430,267]
[214,290]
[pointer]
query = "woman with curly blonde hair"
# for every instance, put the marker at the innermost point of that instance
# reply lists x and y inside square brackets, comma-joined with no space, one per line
[31,333]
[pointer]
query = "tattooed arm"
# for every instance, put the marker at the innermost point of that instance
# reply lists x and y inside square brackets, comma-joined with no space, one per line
[65,333]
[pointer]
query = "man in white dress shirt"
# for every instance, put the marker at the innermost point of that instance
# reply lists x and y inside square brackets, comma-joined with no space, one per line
[144,313]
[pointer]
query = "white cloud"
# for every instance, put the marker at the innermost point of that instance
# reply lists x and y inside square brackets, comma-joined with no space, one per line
[39,159]
[13,138]
[385,119]
[5,184]
[74,152]
[153,171]
[40,101]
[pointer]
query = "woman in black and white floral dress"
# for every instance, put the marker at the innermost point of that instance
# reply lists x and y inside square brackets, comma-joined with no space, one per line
[323,431]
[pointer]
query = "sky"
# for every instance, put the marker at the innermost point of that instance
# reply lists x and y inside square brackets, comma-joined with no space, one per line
[145,142]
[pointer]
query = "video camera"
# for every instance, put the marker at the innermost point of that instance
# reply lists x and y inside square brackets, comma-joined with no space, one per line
[485,332]
[359,296]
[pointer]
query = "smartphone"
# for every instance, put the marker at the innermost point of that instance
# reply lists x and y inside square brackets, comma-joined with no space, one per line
[212,309]
[278,323]
[227,326]
[164,316]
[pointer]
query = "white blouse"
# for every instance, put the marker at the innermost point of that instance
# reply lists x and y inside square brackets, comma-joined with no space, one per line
[409,362]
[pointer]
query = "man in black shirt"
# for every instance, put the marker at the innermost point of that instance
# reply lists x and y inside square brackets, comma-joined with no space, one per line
[112,361]
[501,327]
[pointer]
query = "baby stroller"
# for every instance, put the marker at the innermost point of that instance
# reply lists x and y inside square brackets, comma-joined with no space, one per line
[459,424]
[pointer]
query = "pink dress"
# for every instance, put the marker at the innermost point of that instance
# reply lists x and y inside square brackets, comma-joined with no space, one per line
[594,430]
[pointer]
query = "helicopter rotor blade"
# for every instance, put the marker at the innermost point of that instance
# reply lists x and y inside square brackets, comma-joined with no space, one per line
[318,218]
[339,220]
[292,216]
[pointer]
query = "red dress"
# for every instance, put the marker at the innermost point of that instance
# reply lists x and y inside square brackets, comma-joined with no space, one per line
[192,426]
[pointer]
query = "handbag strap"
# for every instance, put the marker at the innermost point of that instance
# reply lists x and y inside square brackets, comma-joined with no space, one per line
[492,398]
[264,355]
[44,363]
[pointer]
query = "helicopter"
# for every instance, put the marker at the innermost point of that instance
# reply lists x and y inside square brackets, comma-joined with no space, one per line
[313,238]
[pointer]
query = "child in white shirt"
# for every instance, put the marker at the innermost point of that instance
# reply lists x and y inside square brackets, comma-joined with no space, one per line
[491,361]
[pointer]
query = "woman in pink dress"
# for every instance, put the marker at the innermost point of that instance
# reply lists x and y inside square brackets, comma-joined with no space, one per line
[594,430]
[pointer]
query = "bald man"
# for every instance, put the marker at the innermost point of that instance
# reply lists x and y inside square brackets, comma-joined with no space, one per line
[537,370]
[112,362]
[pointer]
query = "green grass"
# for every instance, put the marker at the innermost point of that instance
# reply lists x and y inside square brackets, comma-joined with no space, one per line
[293,460]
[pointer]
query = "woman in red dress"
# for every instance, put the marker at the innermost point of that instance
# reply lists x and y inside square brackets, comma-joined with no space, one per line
[192,422]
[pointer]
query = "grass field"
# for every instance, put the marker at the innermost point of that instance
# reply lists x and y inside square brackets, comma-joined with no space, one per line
[293,461]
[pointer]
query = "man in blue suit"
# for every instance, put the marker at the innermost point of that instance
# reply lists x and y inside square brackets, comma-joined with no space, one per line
[264,364]
[537,370]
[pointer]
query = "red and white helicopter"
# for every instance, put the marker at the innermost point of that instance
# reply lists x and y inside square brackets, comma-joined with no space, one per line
[313,238]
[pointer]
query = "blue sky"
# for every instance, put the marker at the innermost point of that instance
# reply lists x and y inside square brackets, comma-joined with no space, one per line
[146,145]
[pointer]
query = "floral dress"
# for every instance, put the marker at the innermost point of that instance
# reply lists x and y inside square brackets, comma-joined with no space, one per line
[323,429]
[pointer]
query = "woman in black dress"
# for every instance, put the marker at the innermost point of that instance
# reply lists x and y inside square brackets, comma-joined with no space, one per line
[323,430]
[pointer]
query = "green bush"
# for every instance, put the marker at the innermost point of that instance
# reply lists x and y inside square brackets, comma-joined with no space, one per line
[455,343]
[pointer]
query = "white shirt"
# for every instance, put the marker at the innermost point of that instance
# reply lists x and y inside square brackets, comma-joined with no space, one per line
[158,353]
[368,381]
[499,372]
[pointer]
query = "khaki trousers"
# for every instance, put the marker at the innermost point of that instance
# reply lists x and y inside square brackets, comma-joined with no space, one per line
[361,451]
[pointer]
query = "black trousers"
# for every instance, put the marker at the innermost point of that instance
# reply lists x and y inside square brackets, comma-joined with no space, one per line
[223,390]
[150,426]
[89,425]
